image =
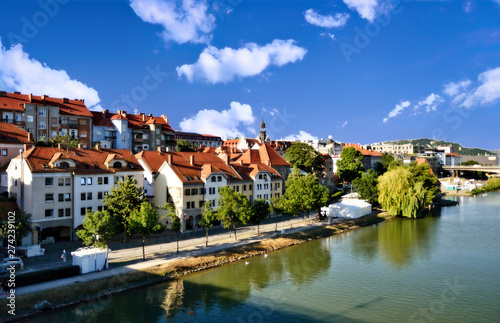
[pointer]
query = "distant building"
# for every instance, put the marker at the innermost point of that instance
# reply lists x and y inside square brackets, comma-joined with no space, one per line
[199,140]
[483,160]
[397,150]
[45,117]
[370,157]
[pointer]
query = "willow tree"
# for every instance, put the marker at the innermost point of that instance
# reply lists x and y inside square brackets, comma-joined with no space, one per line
[400,193]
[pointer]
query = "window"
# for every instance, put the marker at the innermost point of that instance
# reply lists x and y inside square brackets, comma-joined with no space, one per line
[244,188]
[99,208]
[82,122]
[201,191]
[89,195]
[83,197]
[67,212]
[260,176]
[99,180]
[68,181]
[89,209]
[18,116]
[49,213]
[4,152]
[83,211]
[53,120]
[187,192]
[61,197]
[99,195]
[266,186]
[64,120]
[64,165]
[259,187]
[250,187]
[200,204]
[15,182]
[82,181]
[30,119]
[157,131]
[105,180]
[67,196]
[42,125]
[60,213]
[73,133]
[89,180]
[98,135]
[213,179]
[60,182]
[83,133]
[266,196]
[188,205]
[194,191]
[211,190]
[49,181]
[157,142]
[42,112]
[219,178]
[117,164]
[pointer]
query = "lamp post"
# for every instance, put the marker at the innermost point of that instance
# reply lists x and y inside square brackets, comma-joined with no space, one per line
[96,238]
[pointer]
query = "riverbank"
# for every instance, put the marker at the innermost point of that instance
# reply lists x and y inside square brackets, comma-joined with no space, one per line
[86,291]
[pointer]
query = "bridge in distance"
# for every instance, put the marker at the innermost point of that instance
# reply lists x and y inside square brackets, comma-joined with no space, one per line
[474,168]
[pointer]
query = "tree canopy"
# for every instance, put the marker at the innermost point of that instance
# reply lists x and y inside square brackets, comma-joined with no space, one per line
[184,145]
[366,186]
[303,193]
[303,156]
[66,141]
[350,165]
[122,201]
[22,222]
[208,217]
[234,208]
[260,211]
[145,221]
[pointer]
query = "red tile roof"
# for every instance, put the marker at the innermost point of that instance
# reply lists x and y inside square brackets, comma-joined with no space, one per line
[135,121]
[363,151]
[87,160]
[453,154]
[265,154]
[15,101]
[100,120]
[10,133]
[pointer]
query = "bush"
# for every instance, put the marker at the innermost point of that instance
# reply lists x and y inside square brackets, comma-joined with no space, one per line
[492,184]
[24,279]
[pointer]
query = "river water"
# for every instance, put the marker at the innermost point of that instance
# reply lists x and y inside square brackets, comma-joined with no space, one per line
[443,268]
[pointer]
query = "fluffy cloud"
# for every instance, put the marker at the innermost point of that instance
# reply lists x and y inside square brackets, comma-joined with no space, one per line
[397,110]
[302,135]
[224,65]
[453,89]
[367,9]
[189,22]
[332,36]
[223,123]
[20,73]
[329,21]
[488,92]
[430,103]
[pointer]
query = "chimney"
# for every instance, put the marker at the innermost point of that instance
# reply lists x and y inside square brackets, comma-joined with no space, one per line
[44,96]
[98,147]
[3,93]
[226,159]
[79,146]
[16,92]
[150,115]
[59,146]
[30,97]
[65,100]
[191,160]
[164,118]
[159,150]
[143,115]
[30,137]
[169,159]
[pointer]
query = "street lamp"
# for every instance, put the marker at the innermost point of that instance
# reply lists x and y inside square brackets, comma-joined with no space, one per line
[96,238]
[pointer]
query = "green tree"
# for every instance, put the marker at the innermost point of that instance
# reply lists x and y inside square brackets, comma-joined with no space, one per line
[183,145]
[260,211]
[275,207]
[350,165]
[101,224]
[124,200]
[301,155]
[422,173]
[400,193]
[382,166]
[21,225]
[303,193]
[208,217]
[66,141]
[366,186]
[233,210]
[175,224]
[145,221]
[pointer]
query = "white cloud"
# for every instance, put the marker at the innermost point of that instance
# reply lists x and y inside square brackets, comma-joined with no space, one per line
[397,110]
[189,22]
[329,21]
[224,65]
[302,135]
[344,124]
[223,123]
[367,9]
[453,89]
[467,6]
[332,36]
[20,73]
[430,103]
[487,92]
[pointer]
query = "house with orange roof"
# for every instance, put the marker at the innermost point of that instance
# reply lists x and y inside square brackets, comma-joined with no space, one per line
[199,140]
[370,157]
[12,140]
[136,132]
[46,117]
[58,186]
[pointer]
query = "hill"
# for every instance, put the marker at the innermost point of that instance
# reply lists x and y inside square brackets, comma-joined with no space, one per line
[464,151]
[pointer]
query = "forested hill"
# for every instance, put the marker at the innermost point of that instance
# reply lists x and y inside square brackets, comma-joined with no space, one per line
[464,151]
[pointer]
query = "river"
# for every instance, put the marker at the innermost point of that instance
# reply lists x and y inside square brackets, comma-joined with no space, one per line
[442,268]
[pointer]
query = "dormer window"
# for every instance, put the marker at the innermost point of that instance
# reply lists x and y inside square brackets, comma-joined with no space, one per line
[213,179]
[64,165]
[219,178]
[117,164]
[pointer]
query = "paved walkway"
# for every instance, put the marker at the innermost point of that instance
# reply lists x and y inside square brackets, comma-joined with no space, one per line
[127,260]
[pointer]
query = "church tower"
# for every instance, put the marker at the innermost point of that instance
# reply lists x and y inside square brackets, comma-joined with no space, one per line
[262,132]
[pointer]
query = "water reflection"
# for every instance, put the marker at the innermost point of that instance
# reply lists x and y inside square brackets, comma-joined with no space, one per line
[399,241]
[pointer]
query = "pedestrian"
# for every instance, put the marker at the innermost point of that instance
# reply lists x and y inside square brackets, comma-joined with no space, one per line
[63,256]
[196,228]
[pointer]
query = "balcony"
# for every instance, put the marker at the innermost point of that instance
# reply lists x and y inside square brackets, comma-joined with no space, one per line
[73,124]
[138,140]
[113,137]
[7,120]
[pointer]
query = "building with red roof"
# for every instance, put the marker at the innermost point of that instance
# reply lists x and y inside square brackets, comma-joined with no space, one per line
[46,117]
[58,186]
[199,140]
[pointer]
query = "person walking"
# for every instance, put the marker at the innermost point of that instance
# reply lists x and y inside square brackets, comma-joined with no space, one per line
[63,256]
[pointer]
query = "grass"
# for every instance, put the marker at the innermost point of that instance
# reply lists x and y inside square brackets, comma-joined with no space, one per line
[98,289]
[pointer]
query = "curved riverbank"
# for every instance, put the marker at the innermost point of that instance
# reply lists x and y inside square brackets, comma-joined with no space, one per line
[88,291]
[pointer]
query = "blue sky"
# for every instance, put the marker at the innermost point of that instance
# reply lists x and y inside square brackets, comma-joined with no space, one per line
[362,71]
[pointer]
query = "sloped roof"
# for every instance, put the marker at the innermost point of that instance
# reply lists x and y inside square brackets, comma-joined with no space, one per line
[16,100]
[364,152]
[135,121]
[87,160]
[11,134]
[100,120]
[453,154]
[265,154]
